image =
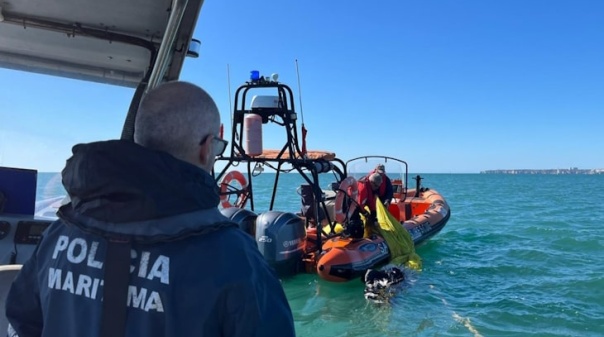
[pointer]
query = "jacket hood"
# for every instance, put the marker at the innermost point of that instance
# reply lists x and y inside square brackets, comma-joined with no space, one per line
[121,187]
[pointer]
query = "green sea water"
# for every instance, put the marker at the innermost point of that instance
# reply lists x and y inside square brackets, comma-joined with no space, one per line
[522,255]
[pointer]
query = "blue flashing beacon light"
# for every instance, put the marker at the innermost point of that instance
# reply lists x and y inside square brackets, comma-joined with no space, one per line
[254,75]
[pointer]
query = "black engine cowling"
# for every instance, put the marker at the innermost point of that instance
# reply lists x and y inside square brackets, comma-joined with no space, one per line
[246,219]
[281,237]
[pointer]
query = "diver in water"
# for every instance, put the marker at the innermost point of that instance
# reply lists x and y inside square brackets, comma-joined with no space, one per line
[378,283]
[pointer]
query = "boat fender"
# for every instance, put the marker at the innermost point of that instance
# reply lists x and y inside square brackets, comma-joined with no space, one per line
[348,187]
[252,133]
[224,186]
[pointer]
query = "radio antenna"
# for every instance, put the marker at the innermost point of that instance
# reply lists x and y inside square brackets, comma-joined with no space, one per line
[301,111]
[229,85]
[299,91]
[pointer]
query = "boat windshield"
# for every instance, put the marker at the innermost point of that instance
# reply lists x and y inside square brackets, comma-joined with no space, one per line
[44,116]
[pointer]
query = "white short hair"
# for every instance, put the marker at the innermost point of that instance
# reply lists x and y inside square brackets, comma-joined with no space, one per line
[375,178]
[174,118]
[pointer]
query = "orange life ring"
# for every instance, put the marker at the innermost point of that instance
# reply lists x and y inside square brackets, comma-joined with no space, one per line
[349,187]
[224,185]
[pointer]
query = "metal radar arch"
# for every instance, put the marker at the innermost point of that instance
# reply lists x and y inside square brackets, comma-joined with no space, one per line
[250,115]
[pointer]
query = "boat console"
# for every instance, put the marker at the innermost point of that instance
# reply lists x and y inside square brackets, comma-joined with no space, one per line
[20,229]
[19,236]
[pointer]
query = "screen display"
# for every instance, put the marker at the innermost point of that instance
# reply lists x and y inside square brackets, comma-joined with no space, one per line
[29,232]
[36,229]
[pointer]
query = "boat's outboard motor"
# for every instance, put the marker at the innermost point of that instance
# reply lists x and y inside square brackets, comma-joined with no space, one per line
[281,237]
[246,219]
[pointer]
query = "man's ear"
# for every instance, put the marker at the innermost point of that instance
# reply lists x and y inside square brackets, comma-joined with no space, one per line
[204,150]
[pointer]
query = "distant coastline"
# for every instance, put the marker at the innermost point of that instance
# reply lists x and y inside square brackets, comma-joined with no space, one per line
[572,170]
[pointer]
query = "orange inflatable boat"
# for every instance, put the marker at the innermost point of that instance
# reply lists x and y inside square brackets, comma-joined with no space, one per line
[288,239]
[422,212]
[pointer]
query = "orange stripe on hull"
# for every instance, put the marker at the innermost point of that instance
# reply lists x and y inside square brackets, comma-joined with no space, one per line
[346,258]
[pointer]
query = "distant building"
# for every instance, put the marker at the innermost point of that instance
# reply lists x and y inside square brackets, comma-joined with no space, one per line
[572,170]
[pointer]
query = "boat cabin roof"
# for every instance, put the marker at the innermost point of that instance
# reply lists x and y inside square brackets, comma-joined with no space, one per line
[109,41]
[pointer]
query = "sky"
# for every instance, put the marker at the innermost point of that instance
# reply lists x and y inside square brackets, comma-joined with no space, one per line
[448,86]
